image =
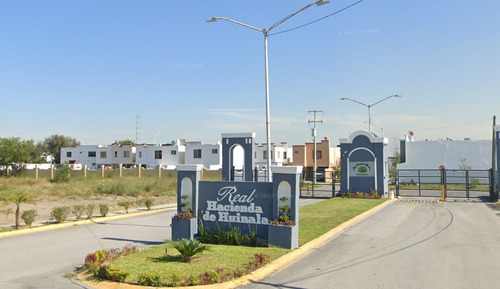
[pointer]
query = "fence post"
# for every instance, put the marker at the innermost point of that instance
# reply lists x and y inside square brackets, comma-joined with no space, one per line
[419,185]
[36,172]
[85,172]
[102,171]
[52,172]
[140,170]
[121,170]
[159,171]
[397,185]
[467,183]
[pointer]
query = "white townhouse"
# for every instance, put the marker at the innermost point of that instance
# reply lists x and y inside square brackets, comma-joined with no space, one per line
[208,155]
[123,155]
[280,154]
[168,156]
[91,156]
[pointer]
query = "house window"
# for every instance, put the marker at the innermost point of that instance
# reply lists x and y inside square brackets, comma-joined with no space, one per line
[126,154]
[284,155]
[197,154]
[173,152]
[319,154]
[278,154]
[104,155]
[116,154]
[158,155]
[92,154]
[140,154]
[264,155]
[214,151]
[68,154]
[296,152]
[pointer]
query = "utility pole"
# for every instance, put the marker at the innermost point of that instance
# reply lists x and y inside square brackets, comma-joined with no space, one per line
[493,143]
[494,179]
[136,129]
[314,122]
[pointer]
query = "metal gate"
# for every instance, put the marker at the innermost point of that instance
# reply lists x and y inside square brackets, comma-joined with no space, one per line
[457,183]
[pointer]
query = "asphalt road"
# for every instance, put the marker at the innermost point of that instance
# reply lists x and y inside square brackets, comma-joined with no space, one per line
[409,244]
[40,260]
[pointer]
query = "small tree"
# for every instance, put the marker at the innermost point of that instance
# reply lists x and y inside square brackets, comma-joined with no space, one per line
[184,203]
[393,169]
[19,198]
[284,210]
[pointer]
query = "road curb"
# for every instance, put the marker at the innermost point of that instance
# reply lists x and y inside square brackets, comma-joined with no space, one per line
[270,269]
[50,227]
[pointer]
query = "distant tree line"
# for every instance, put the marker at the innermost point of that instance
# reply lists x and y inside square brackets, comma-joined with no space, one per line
[16,150]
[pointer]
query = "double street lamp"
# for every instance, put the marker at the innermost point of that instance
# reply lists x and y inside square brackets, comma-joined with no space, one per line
[369,106]
[265,31]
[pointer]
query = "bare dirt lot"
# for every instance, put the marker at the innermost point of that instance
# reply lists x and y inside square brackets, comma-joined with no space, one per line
[44,209]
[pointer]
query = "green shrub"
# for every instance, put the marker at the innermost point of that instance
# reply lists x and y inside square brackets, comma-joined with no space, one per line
[148,279]
[62,174]
[60,214]
[103,209]
[148,203]
[230,236]
[211,277]
[110,189]
[257,261]
[94,262]
[89,209]
[175,279]
[109,272]
[189,248]
[29,217]
[78,211]
[125,205]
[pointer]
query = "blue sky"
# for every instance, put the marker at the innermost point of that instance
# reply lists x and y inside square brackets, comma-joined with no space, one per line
[86,69]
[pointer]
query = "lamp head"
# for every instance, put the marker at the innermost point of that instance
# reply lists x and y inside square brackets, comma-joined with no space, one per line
[212,20]
[321,2]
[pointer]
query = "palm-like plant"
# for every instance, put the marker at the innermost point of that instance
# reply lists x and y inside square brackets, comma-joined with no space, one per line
[189,248]
[19,198]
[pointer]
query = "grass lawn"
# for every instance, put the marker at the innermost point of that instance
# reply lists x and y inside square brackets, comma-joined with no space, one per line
[169,266]
[319,218]
[315,220]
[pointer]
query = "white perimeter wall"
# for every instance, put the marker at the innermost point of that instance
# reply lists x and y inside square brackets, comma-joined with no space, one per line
[432,154]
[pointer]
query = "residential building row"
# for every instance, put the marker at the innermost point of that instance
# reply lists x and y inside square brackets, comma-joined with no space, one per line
[168,156]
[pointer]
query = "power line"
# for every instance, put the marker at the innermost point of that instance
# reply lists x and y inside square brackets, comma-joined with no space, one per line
[317,20]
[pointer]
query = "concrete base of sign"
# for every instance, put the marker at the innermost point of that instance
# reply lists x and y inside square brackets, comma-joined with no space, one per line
[184,229]
[283,236]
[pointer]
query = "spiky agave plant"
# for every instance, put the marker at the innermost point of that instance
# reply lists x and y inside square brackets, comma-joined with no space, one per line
[189,248]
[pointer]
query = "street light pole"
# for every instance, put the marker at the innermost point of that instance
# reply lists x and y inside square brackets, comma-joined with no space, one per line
[265,31]
[369,106]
